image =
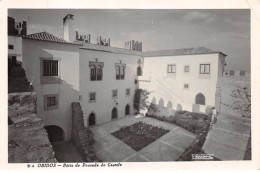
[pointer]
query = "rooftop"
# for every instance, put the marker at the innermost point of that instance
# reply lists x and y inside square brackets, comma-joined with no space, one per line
[176,52]
[45,36]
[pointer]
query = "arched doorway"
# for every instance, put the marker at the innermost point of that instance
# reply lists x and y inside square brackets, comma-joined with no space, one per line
[139,71]
[91,119]
[55,133]
[114,113]
[127,110]
[200,99]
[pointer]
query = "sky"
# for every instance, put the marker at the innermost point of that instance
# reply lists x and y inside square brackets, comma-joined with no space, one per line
[225,30]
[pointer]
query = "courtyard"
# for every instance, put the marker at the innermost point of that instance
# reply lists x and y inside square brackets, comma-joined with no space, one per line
[168,147]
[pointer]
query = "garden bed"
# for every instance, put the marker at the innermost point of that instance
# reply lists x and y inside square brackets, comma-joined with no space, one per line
[191,121]
[139,135]
[196,123]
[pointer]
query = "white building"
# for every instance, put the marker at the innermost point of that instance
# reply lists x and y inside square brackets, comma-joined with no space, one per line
[183,77]
[104,79]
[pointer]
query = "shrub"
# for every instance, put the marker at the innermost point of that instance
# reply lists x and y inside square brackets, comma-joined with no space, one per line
[141,101]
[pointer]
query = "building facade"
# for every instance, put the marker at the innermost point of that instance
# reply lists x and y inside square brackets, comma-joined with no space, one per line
[104,78]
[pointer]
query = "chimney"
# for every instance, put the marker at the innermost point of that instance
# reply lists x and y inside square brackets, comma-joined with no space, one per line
[133,45]
[68,33]
[24,28]
[104,42]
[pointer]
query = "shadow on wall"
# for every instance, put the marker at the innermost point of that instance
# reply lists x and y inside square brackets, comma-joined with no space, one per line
[162,110]
[61,115]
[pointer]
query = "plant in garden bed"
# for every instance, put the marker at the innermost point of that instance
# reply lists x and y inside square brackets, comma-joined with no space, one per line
[141,101]
[139,135]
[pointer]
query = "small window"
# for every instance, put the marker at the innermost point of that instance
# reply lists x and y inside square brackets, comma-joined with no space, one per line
[10,46]
[204,68]
[114,93]
[51,101]
[127,92]
[92,97]
[171,68]
[242,73]
[50,68]
[186,86]
[231,73]
[186,68]
[139,71]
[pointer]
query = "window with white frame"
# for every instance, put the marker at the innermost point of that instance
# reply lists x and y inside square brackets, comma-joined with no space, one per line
[204,68]
[51,102]
[114,93]
[92,97]
[186,68]
[171,68]
[50,68]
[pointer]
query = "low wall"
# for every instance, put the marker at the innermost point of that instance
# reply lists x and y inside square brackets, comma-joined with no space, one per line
[82,136]
[224,100]
[28,140]
[167,101]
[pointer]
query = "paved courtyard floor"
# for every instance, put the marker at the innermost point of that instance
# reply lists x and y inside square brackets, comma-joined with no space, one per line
[229,138]
[166,148]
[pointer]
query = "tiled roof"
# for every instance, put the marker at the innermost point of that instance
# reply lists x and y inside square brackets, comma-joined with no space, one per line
[111,49]
[176,52]
[45,36]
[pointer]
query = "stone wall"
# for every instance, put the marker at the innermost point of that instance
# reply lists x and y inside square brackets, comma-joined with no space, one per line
[81,136]
[225,87]
[28,141]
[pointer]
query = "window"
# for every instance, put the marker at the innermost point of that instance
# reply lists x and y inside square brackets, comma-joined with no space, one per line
[96,70]
[139,71]
[127,92]
[242,73]
[204,68]
[232,73]
[50,67]
[92,97]
[120,71]
[51,101]
[93,73]
[186,68]
[99,72]
[114,93]
[171,68]
[10,46]
[186,86]
[117,72]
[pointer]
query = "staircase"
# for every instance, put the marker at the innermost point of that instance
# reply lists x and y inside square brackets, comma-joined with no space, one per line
[82,136]
[17,81]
